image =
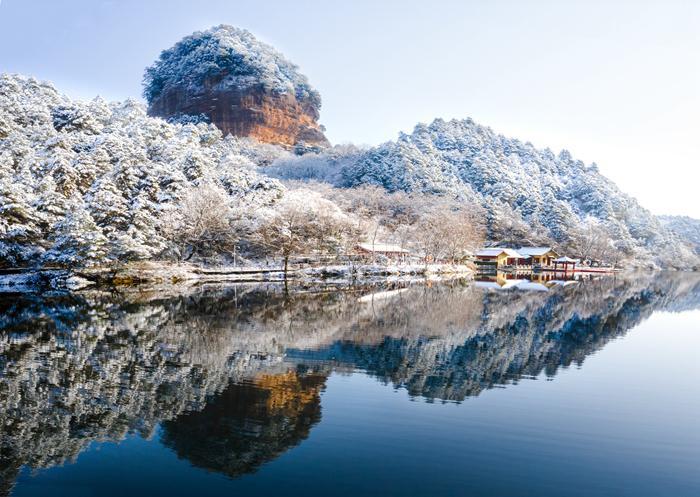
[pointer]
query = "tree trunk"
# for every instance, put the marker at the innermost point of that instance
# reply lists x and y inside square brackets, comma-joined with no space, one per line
[374,239]
[190,256]
[286,277]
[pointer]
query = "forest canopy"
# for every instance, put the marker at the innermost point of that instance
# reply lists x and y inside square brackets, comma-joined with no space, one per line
[228,58]
[99,183]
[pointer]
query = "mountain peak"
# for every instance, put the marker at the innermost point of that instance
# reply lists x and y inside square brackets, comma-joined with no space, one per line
[244,86]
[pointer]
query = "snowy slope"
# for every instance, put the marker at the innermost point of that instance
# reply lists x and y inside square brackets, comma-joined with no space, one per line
[92,182]
[685,227]
[552,195]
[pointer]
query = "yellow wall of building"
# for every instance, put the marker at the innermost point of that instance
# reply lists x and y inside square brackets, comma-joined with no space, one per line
[542,259]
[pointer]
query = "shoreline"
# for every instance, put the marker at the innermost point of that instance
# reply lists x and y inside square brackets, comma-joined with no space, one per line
[21,280]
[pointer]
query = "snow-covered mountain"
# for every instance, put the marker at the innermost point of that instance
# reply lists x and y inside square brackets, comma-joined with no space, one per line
[527,193]
[98,182]
[230,78]
[230,58]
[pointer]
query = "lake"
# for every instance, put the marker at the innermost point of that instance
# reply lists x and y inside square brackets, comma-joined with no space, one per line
[499,387]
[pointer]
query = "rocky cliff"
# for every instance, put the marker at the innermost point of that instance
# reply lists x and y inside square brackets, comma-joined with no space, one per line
[254,112]
[245,87]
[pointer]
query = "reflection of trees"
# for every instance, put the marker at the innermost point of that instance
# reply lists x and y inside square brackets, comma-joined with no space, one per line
[248,424]
[95,367]
[222,363]
[80,369]
[515,334]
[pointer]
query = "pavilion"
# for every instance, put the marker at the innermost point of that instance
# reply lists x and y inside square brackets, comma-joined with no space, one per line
[565,262]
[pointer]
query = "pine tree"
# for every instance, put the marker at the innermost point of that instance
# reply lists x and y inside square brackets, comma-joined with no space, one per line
[78,241]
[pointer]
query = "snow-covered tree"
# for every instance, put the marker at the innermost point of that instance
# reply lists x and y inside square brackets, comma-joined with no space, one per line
[109,169]
[203,222]
[302,223]
[228,57]
[77,240]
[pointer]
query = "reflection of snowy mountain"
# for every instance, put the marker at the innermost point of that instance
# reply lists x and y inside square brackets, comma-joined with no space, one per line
[515,333]
[78,368]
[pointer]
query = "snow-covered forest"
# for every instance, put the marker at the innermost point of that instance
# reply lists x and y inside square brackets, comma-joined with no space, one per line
[98,183]
[685,227]
[231,59]
[526,195]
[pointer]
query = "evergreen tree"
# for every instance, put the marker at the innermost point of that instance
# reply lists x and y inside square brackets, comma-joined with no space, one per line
[78,241]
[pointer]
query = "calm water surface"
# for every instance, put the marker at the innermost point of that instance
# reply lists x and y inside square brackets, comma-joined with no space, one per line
[494,388]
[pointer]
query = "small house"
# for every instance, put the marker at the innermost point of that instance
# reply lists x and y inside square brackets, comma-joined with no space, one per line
[390,251]
[498,257]
[539,256]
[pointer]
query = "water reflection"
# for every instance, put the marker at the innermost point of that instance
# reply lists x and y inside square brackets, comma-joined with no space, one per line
[234,375]
[249,424]
[528,280]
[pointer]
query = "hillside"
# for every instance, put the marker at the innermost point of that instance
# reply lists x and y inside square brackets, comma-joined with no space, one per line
[527,194]
[98,182]
[685,227]
[243,86]
[94,183]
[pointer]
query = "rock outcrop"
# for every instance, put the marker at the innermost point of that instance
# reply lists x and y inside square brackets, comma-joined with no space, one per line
[254,112]
[245,87]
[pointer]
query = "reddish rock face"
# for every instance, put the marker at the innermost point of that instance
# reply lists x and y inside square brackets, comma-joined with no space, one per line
[269,117]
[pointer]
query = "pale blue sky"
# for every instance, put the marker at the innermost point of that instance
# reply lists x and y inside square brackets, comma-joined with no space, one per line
[615,82]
